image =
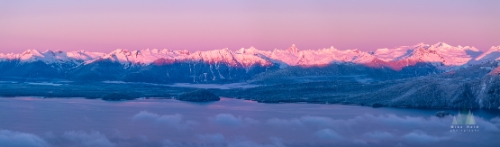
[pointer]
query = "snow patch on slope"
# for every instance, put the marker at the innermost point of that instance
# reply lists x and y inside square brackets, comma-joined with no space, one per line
[492,54]
[437,53]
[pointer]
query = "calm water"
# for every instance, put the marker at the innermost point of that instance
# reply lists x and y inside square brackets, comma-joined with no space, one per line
[229,122]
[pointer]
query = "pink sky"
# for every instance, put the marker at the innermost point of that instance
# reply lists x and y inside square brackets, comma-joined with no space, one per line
[201,25]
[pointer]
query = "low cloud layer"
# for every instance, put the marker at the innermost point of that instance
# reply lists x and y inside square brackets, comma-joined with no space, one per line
[172,121]
[226,124]
[379,135]
[229,130]
[19,139]
[327,134]
[218,140]
[226,129]
[90,139]
[212,138]
[422,138]
[231,120]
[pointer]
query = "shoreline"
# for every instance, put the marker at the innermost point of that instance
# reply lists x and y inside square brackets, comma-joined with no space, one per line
[256,101]
[274,94]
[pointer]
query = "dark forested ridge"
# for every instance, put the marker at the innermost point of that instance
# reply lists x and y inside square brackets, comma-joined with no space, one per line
[419,86]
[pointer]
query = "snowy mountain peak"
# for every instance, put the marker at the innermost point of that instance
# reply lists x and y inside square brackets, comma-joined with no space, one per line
[32,55]
[293,49]
[471,48]
[31,52]
[442,44]
[444,47]
[495,48]
[420,44]
[252,51]
[120,51]
[437,53]
[183,52]
[492,54]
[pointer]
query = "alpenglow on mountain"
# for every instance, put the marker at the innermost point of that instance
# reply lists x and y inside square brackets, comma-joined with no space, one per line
[224,65]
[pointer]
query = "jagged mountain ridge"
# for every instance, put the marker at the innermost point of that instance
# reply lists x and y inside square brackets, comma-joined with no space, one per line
[442,53]
[223,64]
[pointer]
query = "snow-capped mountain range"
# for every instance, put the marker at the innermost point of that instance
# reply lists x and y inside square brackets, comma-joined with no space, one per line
[153,65]
[440,54]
